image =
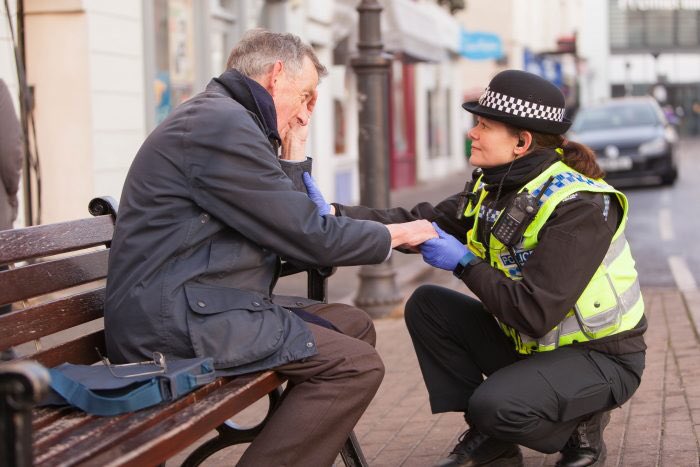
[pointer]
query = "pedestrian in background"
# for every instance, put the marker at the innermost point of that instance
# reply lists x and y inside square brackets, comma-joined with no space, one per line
[558,325]
[11,151]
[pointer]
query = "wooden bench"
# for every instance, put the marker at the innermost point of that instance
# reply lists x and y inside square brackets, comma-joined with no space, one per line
[57,274]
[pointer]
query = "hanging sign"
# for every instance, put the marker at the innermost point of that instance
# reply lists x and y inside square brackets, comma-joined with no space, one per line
[480,45]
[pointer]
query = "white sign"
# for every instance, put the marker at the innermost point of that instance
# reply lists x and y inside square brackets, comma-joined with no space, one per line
[645,5]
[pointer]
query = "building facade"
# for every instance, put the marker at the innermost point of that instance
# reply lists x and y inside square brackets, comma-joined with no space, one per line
[104,74]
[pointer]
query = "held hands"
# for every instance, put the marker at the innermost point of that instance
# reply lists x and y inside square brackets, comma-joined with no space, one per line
[443,252]
[411,234]
[315,194]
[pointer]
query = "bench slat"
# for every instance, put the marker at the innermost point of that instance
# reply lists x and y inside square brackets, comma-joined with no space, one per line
[42,278]
[42,320]
[51,239]
[80,351]
[209,406]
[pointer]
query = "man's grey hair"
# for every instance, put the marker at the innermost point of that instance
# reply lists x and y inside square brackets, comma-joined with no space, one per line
[259,49]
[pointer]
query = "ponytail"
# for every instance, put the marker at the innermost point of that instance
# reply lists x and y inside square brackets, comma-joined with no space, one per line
[581,158]
[578,156]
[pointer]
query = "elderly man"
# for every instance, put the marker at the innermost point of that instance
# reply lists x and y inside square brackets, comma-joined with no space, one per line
[210,204]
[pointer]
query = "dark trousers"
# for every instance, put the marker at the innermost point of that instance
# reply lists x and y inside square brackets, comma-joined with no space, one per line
[534,401]
[326,396]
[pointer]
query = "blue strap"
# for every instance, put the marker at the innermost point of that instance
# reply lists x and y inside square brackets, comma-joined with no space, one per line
[145,395]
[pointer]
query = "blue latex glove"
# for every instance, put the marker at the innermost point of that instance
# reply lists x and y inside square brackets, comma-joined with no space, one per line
[315,194]
[444,252]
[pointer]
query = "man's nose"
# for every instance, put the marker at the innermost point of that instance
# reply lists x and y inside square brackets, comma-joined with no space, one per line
[304,116]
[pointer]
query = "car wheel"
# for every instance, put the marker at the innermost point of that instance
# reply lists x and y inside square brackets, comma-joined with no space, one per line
[669,178]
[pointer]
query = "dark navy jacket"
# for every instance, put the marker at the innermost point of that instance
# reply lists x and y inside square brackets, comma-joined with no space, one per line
[205,214]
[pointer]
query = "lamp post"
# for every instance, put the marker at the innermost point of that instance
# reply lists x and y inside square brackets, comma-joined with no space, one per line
[378,294]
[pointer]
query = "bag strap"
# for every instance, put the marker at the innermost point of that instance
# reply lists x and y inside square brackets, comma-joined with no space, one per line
[145,395]
[184,382]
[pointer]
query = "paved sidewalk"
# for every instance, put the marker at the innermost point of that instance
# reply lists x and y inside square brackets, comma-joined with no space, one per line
[659,426]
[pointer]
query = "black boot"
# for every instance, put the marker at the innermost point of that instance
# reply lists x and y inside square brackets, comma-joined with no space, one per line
[586,446]
[475,449]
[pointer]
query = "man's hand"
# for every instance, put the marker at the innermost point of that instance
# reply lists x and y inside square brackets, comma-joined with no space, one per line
[411,234]
[316,196]
[443,252]
[294,142]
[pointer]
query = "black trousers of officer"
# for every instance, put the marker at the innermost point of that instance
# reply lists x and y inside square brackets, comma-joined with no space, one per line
[533,401]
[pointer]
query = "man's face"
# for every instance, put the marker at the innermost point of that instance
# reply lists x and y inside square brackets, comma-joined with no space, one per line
[295,97]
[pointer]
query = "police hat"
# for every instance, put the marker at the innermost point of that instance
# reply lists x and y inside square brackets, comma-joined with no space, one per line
[523,100]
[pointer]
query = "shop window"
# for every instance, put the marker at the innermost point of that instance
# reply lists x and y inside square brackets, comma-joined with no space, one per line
[399,131]
[339,127]
[438,123]
[174,55]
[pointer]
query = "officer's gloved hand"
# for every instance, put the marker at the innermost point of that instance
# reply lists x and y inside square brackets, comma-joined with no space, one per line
[315,194]
[443,252]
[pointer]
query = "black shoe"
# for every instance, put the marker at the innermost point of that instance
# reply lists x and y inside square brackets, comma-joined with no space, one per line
[586,446]
[475,449]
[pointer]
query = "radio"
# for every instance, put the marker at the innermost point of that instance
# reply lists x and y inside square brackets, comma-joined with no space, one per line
[511,224]
[515,218]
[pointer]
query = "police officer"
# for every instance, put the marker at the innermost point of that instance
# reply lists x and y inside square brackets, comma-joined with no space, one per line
[555,339]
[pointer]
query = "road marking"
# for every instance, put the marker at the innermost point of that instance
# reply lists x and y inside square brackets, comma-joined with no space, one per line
[665,224]
[681,274]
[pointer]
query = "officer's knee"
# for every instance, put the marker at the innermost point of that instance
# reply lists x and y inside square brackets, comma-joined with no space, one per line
[417,304]
[490,411]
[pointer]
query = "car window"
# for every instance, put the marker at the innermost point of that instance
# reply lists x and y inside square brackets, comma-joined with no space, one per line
[617,115]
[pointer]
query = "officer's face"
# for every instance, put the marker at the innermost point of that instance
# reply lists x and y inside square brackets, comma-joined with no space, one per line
[492,143]
[295,97]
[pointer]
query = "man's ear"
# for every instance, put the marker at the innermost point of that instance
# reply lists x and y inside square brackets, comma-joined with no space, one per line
[271,78]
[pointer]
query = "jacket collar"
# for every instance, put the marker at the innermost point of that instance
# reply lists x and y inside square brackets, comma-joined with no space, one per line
[521,170]
[255,98]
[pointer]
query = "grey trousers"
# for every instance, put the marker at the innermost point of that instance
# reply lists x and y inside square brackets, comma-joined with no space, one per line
[327,394]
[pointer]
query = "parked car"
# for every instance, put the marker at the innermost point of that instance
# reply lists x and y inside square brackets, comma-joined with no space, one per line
[633,141]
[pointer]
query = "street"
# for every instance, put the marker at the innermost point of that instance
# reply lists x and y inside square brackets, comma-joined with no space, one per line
[663,226]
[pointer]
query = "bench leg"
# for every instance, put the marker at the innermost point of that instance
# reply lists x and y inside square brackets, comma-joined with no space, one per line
[352,452]
[231,434]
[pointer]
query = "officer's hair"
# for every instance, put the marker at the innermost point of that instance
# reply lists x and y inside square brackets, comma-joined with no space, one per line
[259,49]
[578,156]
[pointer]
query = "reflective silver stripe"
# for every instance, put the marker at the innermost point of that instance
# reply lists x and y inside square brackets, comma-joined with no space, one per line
[570,325]
[615,250]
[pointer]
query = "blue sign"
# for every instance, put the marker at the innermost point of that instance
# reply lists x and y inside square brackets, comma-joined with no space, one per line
[544,66]
[480,45]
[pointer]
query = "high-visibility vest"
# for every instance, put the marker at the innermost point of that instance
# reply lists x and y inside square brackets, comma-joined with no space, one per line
[611,302]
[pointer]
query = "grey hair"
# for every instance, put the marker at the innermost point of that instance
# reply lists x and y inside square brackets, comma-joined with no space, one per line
[259,49]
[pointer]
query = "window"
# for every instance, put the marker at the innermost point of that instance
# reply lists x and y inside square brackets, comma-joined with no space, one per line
[174,74]
[654,30]
[438,122]
[339,127]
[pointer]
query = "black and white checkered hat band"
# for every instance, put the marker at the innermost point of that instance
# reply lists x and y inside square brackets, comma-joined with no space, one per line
[520,107]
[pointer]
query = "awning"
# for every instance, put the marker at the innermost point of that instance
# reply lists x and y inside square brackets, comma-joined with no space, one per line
[422,30]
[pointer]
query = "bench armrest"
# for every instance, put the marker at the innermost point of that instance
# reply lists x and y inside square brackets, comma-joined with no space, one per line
[22,385]
[316,282]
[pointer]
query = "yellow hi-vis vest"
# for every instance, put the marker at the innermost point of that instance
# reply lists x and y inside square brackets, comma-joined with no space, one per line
[611,302]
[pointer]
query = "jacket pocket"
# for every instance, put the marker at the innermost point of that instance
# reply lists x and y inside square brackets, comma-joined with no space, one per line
[233,326]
